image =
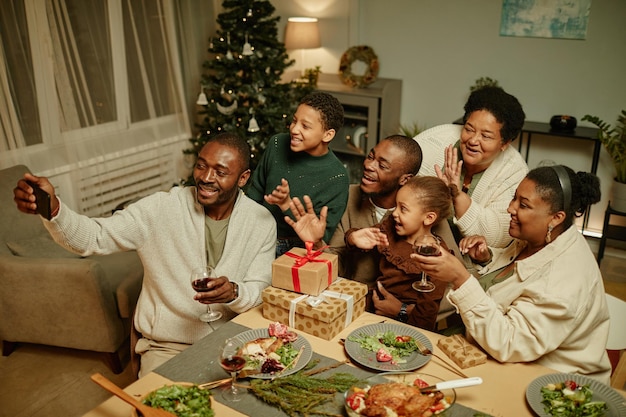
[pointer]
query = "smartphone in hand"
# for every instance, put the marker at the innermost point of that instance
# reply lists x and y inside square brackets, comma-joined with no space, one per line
[42,201]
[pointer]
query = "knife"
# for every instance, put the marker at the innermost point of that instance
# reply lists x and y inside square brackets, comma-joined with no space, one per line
[455,383]
[243,374]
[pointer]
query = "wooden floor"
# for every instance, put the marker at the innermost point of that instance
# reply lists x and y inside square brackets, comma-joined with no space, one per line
[44,381]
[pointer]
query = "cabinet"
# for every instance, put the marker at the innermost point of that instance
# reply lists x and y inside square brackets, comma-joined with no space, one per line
[370,114]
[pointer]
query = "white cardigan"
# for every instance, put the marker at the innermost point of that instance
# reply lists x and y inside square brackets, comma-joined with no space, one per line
[167,231]
[487,215]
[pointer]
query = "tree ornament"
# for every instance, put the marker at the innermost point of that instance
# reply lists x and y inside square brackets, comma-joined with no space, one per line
[249,14]
[230,98]
[253,126]
[359,53]
[229,54]
[227,110]
[202,99]
[247,48]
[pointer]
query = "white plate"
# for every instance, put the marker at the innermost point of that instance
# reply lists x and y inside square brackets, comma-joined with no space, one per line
[368,358]
[601,392]
[307,353]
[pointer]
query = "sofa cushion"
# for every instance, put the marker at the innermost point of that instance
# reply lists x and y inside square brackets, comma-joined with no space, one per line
[39,247]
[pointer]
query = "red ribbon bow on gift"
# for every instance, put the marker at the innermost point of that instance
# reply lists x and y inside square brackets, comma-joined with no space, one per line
[303,260]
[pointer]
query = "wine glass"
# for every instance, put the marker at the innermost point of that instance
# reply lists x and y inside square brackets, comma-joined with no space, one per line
[233,362]
[427,245]
[200,277]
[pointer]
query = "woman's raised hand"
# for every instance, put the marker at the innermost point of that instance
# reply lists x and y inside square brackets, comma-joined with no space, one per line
[452,167]
[476,247]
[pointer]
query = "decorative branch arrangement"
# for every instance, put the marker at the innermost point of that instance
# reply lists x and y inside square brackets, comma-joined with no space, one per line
[301,394]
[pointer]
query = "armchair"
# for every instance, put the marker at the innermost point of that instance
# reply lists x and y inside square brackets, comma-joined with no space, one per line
[53,297]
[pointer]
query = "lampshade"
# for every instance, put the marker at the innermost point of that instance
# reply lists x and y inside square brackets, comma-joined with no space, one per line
[302,33]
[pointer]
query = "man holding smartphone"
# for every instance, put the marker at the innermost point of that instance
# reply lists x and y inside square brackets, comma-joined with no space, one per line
[173,232]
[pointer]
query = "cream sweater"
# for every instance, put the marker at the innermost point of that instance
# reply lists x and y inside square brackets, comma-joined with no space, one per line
[487,215]
[167,231]
[552,310]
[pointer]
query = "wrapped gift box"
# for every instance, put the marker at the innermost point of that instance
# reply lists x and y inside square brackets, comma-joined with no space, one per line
[344,302]
[304,271]
[462,352]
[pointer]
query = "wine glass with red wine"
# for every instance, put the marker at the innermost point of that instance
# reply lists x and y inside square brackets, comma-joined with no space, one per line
[232,361]
[200,277]
[427,245]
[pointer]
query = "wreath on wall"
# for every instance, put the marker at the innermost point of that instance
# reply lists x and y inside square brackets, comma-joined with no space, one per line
[358,53]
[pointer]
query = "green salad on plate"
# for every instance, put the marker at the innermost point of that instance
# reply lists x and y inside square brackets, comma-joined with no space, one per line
[569,399]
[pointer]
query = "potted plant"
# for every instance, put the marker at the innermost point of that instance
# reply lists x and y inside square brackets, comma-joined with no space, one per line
[614,141]
[484,82]
[411,130]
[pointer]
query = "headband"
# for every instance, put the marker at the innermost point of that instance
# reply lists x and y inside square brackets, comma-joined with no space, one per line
[566,185]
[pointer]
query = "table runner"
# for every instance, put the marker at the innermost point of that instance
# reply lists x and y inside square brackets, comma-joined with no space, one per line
[200,363]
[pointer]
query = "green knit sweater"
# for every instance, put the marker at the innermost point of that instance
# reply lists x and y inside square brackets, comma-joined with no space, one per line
[323,178]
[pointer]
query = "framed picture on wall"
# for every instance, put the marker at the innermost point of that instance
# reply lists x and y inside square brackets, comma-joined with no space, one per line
[562,19]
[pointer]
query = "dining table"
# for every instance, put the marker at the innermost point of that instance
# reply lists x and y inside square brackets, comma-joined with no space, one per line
[502,392]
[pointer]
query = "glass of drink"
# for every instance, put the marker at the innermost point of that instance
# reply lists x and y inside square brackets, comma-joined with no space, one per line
[200,277]
[427,245]
[232,361]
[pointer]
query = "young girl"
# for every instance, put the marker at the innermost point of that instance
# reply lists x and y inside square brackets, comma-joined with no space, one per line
[420,204]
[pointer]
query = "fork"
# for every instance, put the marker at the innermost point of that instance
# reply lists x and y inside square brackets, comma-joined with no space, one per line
[426,352]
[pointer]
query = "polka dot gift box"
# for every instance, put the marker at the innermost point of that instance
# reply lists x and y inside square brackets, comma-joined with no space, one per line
[323,316]
[461,351]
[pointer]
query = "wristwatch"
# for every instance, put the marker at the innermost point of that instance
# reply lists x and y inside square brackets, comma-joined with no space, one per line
[402,315]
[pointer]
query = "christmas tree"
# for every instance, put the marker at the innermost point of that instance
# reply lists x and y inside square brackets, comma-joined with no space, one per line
[241,88]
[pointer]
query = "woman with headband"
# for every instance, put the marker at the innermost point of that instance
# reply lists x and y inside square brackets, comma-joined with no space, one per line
[545,299]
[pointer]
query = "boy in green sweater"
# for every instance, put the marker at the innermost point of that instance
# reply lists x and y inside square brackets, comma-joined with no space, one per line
[300,163]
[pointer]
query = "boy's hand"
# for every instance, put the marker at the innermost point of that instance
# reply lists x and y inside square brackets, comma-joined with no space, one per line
[368,237]
[280,196]
[307,226]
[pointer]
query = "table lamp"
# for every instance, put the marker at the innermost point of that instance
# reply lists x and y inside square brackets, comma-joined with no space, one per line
[302,33]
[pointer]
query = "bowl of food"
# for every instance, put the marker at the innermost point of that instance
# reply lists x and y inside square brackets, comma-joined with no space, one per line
[181,399]
[399,394]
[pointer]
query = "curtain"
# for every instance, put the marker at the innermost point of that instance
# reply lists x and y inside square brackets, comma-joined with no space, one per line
[92,95]
[83,67]
[19,117]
